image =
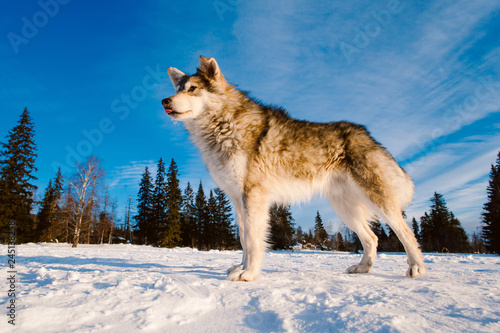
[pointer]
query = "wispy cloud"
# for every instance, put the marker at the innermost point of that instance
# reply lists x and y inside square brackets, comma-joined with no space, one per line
[130,175]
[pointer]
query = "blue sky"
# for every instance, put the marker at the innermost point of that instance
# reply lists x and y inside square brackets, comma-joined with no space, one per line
[423,77]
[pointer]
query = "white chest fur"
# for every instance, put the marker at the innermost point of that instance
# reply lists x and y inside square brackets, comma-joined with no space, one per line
[220,145]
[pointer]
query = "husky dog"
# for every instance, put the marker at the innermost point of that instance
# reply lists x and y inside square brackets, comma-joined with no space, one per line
[259,155]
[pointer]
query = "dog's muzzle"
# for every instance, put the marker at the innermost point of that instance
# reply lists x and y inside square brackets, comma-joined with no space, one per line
[166,105]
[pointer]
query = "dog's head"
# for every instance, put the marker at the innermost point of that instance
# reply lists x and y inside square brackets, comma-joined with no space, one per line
[195,92]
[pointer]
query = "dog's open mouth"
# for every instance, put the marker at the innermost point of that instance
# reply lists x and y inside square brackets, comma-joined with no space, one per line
[170,112]
[175,114]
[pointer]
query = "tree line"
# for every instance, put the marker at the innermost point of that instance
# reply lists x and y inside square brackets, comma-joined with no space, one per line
[168,217]
[438,231]
[77,208]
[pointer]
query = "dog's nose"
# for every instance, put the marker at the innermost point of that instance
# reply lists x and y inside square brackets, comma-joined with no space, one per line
[166,101]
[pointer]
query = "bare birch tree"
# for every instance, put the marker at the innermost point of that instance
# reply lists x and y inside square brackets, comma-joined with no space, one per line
[81,183]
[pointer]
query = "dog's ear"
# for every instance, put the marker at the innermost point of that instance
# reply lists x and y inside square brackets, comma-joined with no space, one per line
[175,76]
[210,68]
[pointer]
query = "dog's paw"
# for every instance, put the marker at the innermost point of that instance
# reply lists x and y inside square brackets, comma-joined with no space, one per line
[242,275]
[416,270]
[234,269]
[359,269]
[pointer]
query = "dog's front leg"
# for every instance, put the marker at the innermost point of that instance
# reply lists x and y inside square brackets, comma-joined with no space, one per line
[256,216]
[238,207]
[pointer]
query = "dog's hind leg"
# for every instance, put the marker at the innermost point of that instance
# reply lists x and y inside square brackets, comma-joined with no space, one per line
[256,216]
[355,216]
[238,207]
[406,236]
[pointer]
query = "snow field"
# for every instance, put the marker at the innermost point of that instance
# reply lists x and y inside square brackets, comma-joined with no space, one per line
[127,288]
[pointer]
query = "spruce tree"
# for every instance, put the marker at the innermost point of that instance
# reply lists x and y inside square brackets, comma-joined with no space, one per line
[320,234]
[458,240]
[172,235]
[225,228]
[201,218]
[440,230]
[159,206]
[143,219]
[44,214]
[17,167]
[50,214]
[491,215]
[282,227]
[211,232]
[189,229]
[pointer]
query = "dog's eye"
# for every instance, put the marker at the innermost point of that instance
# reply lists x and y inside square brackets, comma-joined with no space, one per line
[192,88]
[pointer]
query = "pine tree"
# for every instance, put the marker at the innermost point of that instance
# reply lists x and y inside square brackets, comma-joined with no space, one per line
[441,230]
[320,234]
[50,214]
[282,227]
[211,232]
[172,235]
[223,218]
[17,167]
[189,229]
[159,206]
[201,218]
[144,221]
[491,215]
[458,240]
[44,215]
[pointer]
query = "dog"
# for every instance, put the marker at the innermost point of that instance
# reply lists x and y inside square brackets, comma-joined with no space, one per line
[259,155]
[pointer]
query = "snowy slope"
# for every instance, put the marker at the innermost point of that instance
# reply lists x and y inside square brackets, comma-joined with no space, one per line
[124,288]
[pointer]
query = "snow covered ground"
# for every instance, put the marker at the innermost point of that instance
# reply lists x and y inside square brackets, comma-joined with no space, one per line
[125,288]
